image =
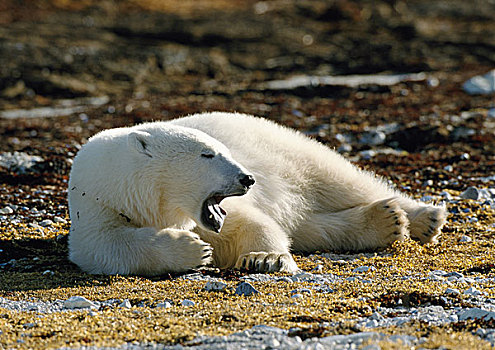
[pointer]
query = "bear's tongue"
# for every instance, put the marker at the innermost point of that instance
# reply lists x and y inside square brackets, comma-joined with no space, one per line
[212,214]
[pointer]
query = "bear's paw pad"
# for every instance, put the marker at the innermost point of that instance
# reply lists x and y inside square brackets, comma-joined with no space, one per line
[267,262]
[389,221]
[427,222]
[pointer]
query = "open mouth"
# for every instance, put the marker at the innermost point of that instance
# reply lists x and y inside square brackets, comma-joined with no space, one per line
[212,214]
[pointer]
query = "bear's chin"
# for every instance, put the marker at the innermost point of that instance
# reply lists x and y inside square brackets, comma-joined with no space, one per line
[212,214]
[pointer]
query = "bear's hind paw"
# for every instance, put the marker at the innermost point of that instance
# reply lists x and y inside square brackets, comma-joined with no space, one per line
[427,222]
[267,262]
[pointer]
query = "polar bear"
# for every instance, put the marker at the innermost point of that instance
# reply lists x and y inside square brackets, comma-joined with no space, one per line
[232,189]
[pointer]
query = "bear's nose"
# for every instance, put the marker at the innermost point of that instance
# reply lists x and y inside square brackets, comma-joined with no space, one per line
[247,181]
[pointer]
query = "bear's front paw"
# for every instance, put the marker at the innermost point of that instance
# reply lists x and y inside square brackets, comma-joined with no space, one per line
[267,262]
[427,222]
[195,252]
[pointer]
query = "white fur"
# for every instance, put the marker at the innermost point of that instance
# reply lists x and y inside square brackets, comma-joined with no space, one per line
[306,198]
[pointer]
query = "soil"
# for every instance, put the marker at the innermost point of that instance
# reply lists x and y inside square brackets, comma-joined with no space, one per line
[116,63]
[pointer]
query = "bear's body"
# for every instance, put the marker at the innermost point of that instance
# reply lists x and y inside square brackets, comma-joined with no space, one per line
[139,197]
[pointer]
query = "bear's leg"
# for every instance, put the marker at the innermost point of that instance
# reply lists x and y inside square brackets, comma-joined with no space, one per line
[142,251]
[250,240]
[426,221]
[363,227]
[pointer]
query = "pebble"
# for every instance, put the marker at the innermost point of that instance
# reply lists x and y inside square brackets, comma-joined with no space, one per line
[6,210]
[364,269]
[187,302]
[215,286]
[78,302]
[470,193]
[367,154]
[473,292]
[125,304]
[245,289]
[58,220]
[481,84]
[447,196]
[465,239]
[19,162]
[373,138]
[46,223]
[165,304]
[344,148]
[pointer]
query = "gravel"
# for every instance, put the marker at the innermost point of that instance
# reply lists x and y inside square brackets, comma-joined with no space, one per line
[308,286]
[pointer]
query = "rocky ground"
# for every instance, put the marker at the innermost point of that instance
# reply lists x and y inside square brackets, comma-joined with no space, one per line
[71,68]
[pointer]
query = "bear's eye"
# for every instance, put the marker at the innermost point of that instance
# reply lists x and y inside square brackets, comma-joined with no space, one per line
[207,155]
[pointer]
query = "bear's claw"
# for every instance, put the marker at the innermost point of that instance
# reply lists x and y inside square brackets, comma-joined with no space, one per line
[267,262]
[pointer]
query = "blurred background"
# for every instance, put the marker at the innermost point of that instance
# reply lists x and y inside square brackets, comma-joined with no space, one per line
[69,68]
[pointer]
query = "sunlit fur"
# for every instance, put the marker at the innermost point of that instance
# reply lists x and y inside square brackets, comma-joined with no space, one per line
[306,198]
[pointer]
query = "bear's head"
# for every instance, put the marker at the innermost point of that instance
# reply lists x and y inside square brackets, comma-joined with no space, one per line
[190,171]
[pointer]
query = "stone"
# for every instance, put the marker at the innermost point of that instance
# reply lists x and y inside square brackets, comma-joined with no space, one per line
[79,302]
[46,223]
[165,304]
[187,302]
[6,210]
[481,84]
[58,220]
[125,304]
[364,269]
[473,291]
[470,193]
[245,289]
[215,286]
[476,313]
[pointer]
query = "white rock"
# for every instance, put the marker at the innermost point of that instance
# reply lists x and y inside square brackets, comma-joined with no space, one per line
[6,210]
[473,291]
[215,286]
[46,223]
[272,343]
[78,302]
[125,304]
[364,269]
[367,154]
[481,84]
[187,302]
[465,239]
[58,220]
[166,304]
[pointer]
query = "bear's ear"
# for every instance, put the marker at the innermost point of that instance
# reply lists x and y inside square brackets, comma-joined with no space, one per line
[138,141]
